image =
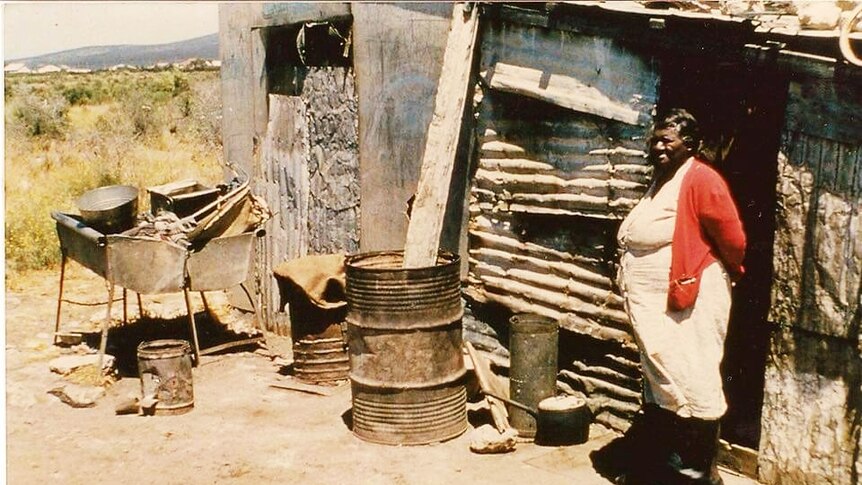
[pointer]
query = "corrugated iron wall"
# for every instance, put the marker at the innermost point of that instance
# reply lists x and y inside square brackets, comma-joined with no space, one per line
[308,173]
[561,121]
[811,420]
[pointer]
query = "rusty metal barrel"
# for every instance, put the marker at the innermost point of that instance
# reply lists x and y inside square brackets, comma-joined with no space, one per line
[165,368]
[533,349]
[319,343]
[407,373]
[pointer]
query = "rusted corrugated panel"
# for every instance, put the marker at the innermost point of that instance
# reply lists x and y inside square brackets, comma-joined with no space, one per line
[817,250]
[556,173]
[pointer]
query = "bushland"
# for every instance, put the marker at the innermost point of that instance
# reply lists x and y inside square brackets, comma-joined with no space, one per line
[67,133]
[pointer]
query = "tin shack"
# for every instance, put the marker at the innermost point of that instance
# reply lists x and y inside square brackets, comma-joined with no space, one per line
[328,105]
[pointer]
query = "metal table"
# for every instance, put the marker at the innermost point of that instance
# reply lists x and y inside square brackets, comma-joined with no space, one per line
[149,266]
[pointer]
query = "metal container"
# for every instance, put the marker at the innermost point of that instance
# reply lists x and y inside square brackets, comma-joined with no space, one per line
[404,340]
[563,421]
[183,198]
[165,367]
[319,342]
[110,209]
[533,374]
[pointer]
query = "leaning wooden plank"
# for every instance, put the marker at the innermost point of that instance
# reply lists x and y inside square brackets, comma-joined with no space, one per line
[488,385]
[426,223]
[564,91]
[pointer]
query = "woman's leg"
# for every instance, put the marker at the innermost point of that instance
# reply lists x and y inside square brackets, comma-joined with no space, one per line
[694,457]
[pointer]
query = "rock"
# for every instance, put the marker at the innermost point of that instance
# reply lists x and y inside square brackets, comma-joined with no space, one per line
[78,396]
[66,364]
[486,440]
[129,405]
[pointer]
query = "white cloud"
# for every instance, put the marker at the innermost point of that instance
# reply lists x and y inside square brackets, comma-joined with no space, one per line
[33,28]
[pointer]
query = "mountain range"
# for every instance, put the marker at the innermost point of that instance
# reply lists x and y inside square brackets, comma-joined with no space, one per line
[103,57]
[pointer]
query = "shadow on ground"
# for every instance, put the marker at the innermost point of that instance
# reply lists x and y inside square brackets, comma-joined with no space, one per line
[123,341]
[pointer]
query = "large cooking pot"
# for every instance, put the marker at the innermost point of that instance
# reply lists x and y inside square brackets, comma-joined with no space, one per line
[110,209]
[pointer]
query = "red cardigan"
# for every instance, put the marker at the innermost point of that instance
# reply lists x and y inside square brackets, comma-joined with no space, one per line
[707,229]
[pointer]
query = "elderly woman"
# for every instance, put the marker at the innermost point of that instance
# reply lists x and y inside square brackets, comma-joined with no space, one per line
[681,246]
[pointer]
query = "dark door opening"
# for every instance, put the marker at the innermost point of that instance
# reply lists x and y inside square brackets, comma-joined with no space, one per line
[740,109]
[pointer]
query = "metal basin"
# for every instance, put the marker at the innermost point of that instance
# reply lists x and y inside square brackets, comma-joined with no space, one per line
[110,209]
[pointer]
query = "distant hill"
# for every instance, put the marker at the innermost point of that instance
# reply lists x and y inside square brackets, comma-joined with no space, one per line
[103,57]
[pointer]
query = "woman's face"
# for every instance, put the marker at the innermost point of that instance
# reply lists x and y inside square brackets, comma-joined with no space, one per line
[667,148]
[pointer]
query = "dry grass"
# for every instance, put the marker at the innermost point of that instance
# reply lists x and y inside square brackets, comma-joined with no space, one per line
[141,129]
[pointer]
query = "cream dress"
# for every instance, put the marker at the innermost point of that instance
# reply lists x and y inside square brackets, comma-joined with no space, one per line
[680,351]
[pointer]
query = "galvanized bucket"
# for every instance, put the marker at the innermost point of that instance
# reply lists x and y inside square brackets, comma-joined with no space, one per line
[165,367]
[404,341]
[533,374]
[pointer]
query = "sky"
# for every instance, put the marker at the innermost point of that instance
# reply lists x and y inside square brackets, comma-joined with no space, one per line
[35,28]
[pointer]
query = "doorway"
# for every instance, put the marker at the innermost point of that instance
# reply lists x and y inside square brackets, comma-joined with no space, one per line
[741,110]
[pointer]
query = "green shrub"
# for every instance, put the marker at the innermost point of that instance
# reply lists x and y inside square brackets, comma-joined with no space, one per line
[131,143]
[42,116]
[78,94]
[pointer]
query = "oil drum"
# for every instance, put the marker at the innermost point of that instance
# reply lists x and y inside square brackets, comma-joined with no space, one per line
[404,327]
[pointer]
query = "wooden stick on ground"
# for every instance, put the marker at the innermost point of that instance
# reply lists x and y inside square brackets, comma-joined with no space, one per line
[426,222]
[489,385]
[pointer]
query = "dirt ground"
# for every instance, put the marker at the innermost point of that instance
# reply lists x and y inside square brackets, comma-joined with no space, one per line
[241,430]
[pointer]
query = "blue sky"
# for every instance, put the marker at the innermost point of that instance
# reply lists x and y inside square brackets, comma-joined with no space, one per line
[35,28]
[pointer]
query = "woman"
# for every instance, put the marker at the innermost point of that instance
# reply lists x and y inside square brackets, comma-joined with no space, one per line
[682,245]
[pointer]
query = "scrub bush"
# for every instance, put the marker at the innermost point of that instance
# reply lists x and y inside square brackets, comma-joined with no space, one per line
[139,128]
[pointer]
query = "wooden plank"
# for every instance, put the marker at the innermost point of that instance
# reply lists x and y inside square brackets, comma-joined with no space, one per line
[489,385]
[557,89]
[423,232]
[236,79]
[287,13]
[738,458]
[302,387]
[260,84]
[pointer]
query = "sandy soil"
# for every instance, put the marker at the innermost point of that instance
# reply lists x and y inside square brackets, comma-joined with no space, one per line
[241,430]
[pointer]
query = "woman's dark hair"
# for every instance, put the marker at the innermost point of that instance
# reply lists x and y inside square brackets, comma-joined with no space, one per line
[685,124]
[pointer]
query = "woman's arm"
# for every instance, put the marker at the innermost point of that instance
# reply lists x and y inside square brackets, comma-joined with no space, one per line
[720,221]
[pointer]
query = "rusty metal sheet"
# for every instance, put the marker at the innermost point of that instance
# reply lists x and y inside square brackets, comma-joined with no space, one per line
[222,263]
[146,266]
[81,242]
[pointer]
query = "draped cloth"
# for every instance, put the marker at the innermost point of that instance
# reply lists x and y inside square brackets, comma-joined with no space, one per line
[680,351]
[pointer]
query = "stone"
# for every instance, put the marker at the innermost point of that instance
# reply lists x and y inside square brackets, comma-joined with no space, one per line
[78,396]
[487,440]
[66,364]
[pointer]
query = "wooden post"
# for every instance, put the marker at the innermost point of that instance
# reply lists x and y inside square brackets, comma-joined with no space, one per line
[423,232]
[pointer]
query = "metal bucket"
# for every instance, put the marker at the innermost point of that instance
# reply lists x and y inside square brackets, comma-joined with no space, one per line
[319,343]
[110,209]
[407,373]
[533,374]
[165,367]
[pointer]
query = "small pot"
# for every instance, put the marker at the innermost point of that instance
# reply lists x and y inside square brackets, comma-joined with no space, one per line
[562,421]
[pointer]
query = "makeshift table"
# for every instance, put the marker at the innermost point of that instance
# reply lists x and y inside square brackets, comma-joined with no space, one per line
[150,266]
